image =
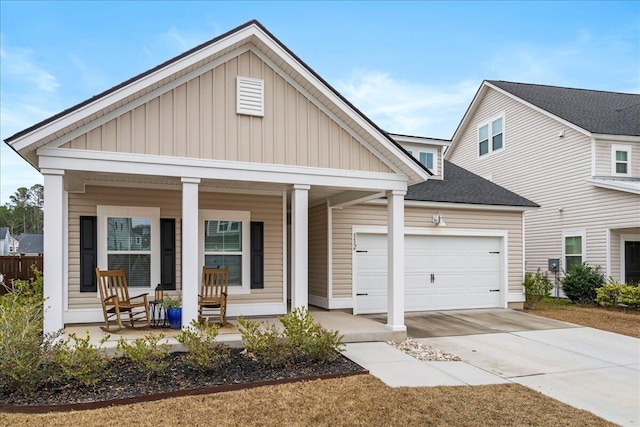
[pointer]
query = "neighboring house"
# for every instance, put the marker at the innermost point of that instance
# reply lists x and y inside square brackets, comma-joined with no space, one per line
[30,244]
[8,244]
[216,156]
[575,152]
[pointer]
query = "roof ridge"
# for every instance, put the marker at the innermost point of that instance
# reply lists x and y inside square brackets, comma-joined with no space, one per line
[564,87]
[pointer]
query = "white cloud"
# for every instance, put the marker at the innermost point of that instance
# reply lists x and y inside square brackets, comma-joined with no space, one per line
[18,63]
[408,107]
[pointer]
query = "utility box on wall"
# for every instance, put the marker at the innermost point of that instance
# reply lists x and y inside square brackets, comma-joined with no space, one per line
[554,265]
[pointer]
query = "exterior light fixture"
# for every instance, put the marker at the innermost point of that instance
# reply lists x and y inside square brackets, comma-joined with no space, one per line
[438,220]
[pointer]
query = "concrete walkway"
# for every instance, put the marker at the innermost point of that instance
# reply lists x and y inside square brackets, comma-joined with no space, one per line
[586,368]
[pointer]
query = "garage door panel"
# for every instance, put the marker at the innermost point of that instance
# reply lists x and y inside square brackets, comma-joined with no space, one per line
[465,270]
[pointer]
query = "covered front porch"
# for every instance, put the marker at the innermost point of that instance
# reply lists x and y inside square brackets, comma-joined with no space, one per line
[279,201]
[352,328]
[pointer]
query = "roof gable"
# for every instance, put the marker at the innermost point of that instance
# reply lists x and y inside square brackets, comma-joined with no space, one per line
[595,111]
[73,119]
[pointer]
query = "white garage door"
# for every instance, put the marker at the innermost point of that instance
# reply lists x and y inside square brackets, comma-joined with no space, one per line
[441,272]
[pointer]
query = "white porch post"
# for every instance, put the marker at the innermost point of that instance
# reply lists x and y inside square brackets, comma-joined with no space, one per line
[54,239]
[191,263]
[299,246]
[395,260]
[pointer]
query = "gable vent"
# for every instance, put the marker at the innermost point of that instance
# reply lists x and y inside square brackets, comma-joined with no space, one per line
[250,96]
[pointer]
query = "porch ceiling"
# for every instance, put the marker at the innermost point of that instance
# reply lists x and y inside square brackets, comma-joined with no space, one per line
[76,182]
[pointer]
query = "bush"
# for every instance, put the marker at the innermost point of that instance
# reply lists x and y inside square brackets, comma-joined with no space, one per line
[581,282]
[302,339]
[308,339]
[205,352]
[262,341]
[613,293]
[536,287]
[23,349]
[76,359]
[145,352]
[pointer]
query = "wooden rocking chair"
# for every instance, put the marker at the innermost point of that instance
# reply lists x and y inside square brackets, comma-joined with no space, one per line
[116,303]
[213,294]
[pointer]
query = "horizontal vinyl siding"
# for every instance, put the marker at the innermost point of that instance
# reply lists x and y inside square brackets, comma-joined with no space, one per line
[198,119]
[550,171]
[318,250]
[267,209]
[604,158]
[374,215]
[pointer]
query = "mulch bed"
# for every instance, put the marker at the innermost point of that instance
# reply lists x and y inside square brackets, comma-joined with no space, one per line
[124,383]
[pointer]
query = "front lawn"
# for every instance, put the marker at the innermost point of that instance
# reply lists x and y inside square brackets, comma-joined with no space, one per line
[612,320]
[355,401]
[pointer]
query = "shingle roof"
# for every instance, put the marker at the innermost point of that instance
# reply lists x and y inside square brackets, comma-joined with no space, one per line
[461,186]
[3,232]
[31,243]
[593,110]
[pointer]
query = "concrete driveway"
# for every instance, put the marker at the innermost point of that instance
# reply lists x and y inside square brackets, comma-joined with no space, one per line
[586,368]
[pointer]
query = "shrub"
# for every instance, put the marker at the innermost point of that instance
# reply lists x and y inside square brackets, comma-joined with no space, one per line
[23,349]
[308,339]
[613,293]
[580,283]
[79,360]
[262,341]
[145,352]
[302,338]
[536,287]
[204,351]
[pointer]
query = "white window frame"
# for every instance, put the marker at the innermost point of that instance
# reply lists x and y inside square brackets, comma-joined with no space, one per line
[574,233]
[614,149]
[238,216]
[489,123]
[434,153]
[104,212]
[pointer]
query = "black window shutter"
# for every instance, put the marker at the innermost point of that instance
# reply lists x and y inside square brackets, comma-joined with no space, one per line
[257,255]
[168,253]
[88,253]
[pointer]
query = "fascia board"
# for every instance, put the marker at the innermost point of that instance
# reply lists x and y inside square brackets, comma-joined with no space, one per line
[142,164]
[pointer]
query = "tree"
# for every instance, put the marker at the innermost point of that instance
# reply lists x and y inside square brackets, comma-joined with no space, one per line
[23,213]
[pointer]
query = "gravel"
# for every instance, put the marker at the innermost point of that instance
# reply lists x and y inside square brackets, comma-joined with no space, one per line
[423,352]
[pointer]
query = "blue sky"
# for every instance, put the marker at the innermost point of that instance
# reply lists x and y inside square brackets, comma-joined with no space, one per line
[412,67]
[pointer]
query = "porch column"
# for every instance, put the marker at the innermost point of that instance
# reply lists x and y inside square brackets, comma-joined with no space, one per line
[54,239]
[191,263]
[299,246]
[395,260]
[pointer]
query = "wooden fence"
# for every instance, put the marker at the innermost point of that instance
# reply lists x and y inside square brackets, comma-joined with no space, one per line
[19,266]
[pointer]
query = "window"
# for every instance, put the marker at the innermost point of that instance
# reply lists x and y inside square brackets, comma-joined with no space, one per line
[224,242]
[129,238]
[491,136]
[621,159]
[427,160]
[573,249]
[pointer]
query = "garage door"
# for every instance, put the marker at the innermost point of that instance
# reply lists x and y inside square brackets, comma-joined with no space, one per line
[441,272]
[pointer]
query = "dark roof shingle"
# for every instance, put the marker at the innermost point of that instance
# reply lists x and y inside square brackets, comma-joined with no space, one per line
[596,111]
[461,186]
[31,243]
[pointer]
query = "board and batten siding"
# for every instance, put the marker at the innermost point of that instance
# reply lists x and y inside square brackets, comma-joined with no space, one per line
[376,215]
[550,170]
[198,119]
[267,209]
[318,250]
[604,157]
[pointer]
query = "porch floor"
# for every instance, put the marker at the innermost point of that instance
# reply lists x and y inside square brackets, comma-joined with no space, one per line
[353,328]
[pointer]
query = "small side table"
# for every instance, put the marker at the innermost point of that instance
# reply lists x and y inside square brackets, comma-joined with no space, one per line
[158,315]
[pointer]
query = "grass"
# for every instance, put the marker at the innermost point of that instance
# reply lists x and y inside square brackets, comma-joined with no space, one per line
[362,400]
[620,322]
